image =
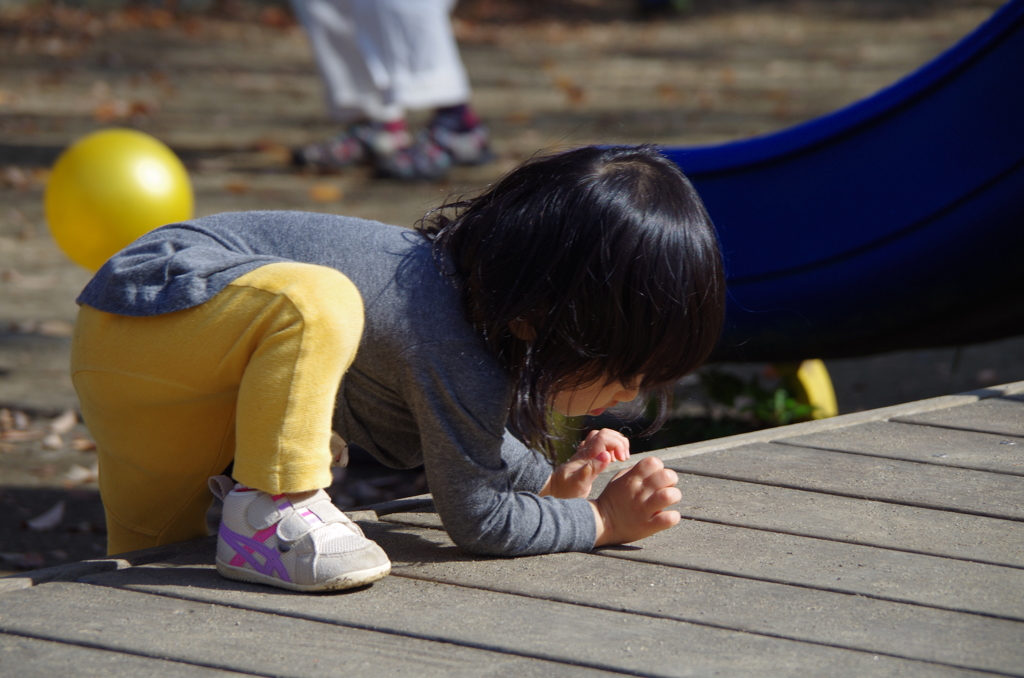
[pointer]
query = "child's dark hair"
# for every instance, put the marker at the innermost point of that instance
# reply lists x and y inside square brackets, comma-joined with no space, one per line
[608,259]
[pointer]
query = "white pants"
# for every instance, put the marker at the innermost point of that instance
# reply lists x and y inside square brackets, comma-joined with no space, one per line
[379,58]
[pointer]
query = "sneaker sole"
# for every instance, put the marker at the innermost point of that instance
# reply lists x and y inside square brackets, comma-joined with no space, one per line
[348,580]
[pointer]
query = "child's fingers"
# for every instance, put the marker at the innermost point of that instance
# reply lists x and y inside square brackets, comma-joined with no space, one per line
[664,477]
[613,441]
[655,486]
[587,449]
[636,476]
[664,520]
[602,440]
[588,440]
[575,478]
[583,459]
[662,499]
[647,468]
[589,470]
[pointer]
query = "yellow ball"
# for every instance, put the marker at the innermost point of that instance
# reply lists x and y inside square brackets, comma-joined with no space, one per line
[111,187]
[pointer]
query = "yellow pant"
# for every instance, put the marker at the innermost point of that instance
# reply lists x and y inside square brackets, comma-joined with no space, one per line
[251,376]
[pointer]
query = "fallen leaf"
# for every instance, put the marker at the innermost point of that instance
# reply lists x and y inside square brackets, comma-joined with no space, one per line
[79,475]
[80,444]
[15,177]
[48,520]
[573,92]
[115,110]
[111,111]
[141,108]
[669,93]
[53,441]
[324,193]
[63,423]
[55,328]
[278,152]
[276,17]
[236,187]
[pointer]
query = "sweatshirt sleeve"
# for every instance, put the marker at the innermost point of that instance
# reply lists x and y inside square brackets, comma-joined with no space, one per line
[460,402]
[528,469]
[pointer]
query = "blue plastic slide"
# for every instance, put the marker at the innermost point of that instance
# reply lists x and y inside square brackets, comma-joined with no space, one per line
[894,223]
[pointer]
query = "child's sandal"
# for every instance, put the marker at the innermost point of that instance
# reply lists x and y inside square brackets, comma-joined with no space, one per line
[335,154]
[471,146]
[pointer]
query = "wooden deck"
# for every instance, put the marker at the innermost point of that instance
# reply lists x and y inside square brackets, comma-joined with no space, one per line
[884,543]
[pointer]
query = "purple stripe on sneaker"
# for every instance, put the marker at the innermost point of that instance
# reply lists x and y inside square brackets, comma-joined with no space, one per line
[247,548]
[261,537]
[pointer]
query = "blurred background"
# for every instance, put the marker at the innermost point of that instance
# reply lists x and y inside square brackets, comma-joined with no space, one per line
[231,87]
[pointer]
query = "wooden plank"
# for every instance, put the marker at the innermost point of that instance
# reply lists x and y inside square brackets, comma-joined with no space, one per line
[215,636]
[32,658]
[853,475]
[730,602]
[1001,416]
[826,564]
[818,425]
[835,566]
[924,444]
[855,521]
[566,604]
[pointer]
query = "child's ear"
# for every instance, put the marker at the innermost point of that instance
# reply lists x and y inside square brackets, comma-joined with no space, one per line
[522,329]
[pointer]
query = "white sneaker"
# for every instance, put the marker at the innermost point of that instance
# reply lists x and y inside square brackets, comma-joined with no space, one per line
[302,544]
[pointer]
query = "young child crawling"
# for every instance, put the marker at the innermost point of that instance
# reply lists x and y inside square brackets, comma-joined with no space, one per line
[576,282]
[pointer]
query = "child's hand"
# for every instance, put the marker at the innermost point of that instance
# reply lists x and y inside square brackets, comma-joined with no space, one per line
[574,478]
[632,505]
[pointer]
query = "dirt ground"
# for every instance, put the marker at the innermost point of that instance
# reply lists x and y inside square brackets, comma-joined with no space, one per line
[232,87]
